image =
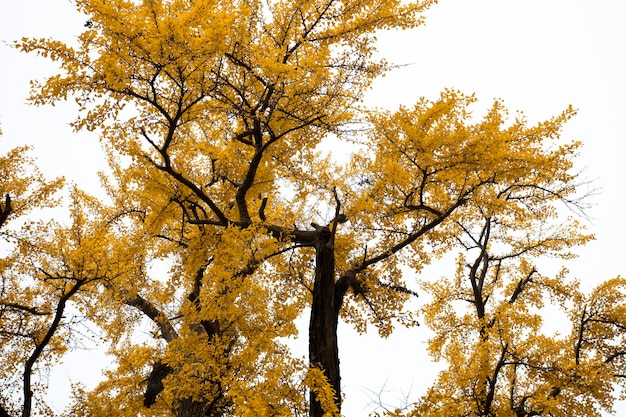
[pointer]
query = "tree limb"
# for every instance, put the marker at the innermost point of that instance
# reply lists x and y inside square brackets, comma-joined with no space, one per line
[6,210]
[155,382]
[4,412]
[167,330]
[42,344]
[31,310]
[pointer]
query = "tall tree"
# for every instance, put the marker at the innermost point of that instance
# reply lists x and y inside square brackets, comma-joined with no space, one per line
[214,115]
[232,99]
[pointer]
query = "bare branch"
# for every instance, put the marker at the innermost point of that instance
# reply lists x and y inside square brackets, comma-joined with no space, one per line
[31,310]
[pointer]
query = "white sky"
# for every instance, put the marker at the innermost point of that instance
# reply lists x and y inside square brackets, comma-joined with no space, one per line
[536,55]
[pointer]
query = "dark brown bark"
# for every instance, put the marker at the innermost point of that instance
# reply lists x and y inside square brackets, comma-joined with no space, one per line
[191,408]
[150,310]
[212,406]
[155,383]
[328,294]
[323,346]
[41,345]
[3,412]
[5,210]
[209,406]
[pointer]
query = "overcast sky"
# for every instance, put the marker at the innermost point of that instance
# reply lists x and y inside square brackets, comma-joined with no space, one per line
[538,56]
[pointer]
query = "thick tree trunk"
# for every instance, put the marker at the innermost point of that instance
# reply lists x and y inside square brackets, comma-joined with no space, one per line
[190,408]
[323,346]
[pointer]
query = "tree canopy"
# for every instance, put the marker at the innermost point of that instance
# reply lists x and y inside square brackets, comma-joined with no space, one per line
[228,214]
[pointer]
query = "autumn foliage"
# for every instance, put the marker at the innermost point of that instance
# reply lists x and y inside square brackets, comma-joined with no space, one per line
[227,215]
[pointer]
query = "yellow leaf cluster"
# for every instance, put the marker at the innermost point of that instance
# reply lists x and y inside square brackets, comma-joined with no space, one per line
[224,221]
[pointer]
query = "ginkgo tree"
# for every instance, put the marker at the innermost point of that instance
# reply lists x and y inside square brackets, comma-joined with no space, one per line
[490,317]
[215,116]
[266,82]
[25,311]
[490,329]
[45,268]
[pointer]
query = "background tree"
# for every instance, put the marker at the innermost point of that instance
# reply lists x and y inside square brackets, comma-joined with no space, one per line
[24,329]
[44,268]
[490,318]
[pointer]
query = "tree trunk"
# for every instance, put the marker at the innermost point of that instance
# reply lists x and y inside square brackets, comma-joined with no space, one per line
[323,347]
[216,407]
[190,408]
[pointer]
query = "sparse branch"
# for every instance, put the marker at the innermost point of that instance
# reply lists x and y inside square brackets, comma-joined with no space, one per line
[144,98]
[349,277]
[614,356]
[409,239]
[424,207]
[603,320]
[222,220]
[478,270]
[239,62]
[194,295]
[31,310]
[345,282]
[304,237]
[154,384]
[303,123]
[254,264]
[241,137]
[521,284]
